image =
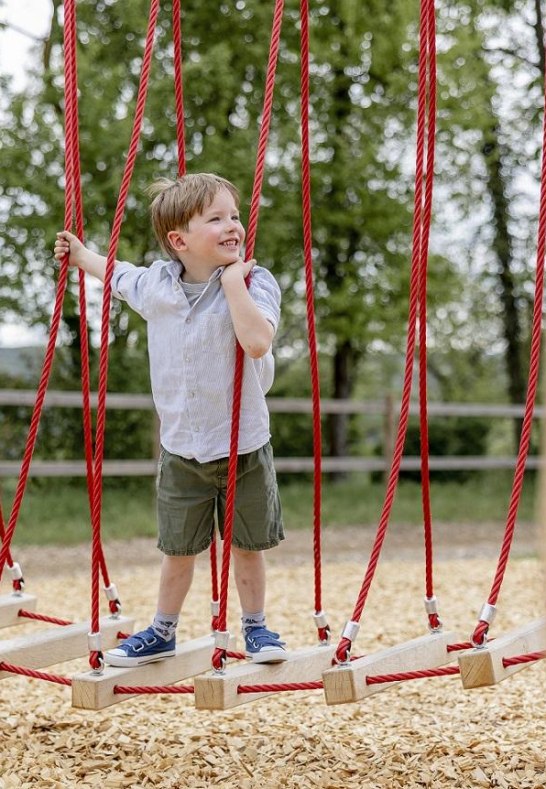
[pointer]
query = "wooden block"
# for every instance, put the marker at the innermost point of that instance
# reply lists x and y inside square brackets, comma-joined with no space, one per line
[219,691]
[96,691]
[480,667]
[348,683]
[66,642]
[11,604]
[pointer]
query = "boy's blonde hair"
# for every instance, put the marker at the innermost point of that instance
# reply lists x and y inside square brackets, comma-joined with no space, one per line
[176,202]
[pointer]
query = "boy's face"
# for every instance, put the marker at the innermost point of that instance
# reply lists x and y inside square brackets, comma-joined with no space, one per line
[214,237]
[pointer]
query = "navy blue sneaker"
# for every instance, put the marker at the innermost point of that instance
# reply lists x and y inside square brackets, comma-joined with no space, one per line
[140,648]
[263,646]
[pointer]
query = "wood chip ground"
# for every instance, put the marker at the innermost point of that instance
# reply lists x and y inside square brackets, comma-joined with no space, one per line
[427,733]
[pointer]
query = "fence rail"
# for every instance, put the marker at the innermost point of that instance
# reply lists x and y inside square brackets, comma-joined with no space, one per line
[386,408]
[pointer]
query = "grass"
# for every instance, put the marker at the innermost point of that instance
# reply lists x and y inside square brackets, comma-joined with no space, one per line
[57,511]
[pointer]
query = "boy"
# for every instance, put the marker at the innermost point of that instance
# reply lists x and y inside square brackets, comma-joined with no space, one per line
[196,304]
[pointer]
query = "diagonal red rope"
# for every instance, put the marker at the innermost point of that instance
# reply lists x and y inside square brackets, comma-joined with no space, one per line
[54,325]
[218,657]
[482,627]
[105,323]
[344,645]
[309,292]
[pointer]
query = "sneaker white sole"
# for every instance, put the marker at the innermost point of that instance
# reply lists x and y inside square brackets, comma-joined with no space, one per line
[268,656]
[121,661]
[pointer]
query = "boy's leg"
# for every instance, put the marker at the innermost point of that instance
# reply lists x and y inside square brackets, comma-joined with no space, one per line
[249,573]
[159,640]
[262,646]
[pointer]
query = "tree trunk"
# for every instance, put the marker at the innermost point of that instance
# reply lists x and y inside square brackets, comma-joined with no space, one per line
[502,247]
[343,377]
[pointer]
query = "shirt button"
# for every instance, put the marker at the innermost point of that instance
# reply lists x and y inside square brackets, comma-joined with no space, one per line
[188,320]
[197,429]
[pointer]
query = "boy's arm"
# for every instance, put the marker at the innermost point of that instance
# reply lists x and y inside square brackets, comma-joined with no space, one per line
[79,255]
[252,329]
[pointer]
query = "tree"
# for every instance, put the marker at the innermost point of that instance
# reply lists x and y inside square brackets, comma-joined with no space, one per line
[363,113]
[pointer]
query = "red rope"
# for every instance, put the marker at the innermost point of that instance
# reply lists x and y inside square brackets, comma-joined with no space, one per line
[29,672]
[279,688]
[103,362]
[179,87]
[43,618]
[17,585]
[430,47]
[419,233]
[54,328]
[219,654]
[482,627]
[404,676]
[309,291]
[148,689]
[73,144]
[531,657]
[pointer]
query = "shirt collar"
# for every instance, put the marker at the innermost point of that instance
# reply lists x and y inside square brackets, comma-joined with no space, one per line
[176,268]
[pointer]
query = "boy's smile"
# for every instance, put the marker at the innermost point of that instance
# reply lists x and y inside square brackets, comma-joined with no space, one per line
[213,238]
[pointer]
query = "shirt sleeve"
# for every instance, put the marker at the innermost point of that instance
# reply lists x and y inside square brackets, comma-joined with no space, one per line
[129,283]
[266,294]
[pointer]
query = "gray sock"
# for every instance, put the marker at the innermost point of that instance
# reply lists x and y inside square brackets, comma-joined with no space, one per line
[249,620]
[164,625]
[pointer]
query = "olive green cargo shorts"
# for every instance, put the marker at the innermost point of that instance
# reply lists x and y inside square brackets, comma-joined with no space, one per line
[191,497]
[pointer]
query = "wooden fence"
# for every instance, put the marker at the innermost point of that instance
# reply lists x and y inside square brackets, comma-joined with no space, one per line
[385,408]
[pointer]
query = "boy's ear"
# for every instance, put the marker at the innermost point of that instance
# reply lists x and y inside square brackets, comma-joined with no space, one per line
[177,240]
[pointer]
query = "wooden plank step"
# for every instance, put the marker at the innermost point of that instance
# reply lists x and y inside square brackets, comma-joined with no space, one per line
[94,692]
[219,691]
[480,667]
[11,604]
[344,684]
[65,642]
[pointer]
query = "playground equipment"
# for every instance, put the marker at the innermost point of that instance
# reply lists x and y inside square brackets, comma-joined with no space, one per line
[344,678]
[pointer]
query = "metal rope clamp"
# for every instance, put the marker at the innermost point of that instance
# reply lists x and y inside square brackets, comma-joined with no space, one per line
[94,642]
[214,607]
[112,594]
[487,614]
[431,607]
[221,641]
[321,622]
[17,575]
[350,632]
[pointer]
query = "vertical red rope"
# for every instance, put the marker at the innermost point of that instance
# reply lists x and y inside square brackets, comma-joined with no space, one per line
[309,291]
[416,267]
[105,324]
[74,146]
[179,87]
[219,654]
[430,22]
[482,627]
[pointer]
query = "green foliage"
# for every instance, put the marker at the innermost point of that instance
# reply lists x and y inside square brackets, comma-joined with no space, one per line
[457,436]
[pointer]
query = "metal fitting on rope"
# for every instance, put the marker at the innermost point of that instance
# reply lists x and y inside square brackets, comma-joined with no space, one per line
[111,592]
[488,613]
[114,603]
[321,620]
[94,642]
[17,579]
[221,639]
[219,661]
[214,607]
[350,630]
[431,605]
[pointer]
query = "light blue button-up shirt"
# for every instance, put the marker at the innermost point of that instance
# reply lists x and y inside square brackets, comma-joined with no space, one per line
[191,348]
